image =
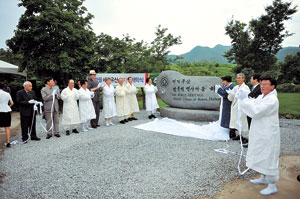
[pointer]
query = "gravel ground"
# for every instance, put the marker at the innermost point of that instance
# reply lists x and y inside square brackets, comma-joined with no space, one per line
[124,162]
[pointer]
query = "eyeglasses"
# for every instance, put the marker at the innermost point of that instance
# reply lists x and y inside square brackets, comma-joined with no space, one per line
[265,84]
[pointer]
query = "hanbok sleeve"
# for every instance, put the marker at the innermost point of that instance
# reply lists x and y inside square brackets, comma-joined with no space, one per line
[63,95]
[258,110]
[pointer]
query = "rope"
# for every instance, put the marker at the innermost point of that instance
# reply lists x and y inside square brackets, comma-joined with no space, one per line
[226,151]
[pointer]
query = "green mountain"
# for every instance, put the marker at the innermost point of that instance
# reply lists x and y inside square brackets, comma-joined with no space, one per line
[215,54]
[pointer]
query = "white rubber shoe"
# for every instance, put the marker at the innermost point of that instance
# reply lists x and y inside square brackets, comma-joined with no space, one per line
[110,123]
[271,189]
[261,180]
[107,124]
[89,128]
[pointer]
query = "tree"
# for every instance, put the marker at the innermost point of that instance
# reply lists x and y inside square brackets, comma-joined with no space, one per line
[290,69]
[161,45]
[254,46]
[54,38]
[126,55]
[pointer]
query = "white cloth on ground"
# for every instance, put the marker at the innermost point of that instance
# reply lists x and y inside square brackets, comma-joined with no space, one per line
[212,131]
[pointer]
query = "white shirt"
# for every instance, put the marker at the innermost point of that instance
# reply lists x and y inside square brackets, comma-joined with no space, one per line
[4,99]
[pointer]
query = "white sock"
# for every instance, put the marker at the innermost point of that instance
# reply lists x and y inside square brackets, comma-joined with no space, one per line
[107,123]
[261,180]
[269,190]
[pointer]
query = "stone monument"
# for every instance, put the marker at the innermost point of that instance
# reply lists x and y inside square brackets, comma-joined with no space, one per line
[189,97]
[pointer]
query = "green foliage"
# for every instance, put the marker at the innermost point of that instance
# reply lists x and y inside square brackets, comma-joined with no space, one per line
[290,69]
[254,46]
[53,38]
[288,88]
[289,105]
[115,55]
[203,69]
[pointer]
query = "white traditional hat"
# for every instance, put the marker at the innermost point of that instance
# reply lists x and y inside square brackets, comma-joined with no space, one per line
[92,72]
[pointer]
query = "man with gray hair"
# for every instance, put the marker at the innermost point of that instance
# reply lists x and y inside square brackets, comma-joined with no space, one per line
[235,121]
[25,99]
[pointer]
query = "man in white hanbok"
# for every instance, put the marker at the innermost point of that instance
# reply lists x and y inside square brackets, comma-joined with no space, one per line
[122,104]
[151,101]
[70,118]
[264,136]
[234,121]
[133,102]
[86,107]
[109,105]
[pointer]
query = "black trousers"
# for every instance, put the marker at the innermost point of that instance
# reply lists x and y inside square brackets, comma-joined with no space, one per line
[26,122]
[249,119]
[94,122]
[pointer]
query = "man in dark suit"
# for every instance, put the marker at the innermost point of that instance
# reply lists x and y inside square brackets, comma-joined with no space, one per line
[93,86]
[255,91]
[226,104]
[28,119]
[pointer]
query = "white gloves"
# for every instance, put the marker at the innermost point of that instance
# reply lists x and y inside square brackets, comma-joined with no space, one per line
[127,91]
[31,101]
[231,91]
[217,88]
[242,94]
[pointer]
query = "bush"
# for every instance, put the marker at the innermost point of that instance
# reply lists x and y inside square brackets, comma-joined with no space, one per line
[288,88]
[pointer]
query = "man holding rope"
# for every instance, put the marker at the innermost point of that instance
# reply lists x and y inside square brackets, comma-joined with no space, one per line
[50,97]
[25,99]
[264,136]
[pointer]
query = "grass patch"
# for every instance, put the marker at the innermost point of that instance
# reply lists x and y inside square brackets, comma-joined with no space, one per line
[289,105]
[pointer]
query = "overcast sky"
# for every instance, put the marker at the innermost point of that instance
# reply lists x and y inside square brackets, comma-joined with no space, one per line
[198,22]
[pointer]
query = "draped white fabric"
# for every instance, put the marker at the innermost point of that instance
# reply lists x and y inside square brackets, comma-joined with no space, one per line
[212,131]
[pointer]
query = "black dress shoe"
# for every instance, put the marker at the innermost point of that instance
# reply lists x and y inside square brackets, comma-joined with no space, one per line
[126,120]
[244,140]
[236,137]
[150,116]
[133,118]
[98,125]
[94,127]
[75,131]
[48,136]
[36,138]
[8,145]
[122,122]
[153,116]
[298,178]
[57,135]
[67,132]
[232,133]
[245,145]
[130,119]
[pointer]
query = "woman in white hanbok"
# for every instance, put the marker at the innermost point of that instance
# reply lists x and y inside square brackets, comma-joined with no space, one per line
[151,101]
[86,108]
[109,105]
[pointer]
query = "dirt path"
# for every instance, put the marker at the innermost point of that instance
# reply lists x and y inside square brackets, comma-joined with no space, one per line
[288,186]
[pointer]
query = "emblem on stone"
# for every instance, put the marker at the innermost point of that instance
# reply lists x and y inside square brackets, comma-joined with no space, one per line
[164,81]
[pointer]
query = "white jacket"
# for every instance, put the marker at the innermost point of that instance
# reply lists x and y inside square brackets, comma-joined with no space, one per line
[264,136]
[151,101]
[109,105]
[86,107]
[132,100]
[234,109]
[70,108]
